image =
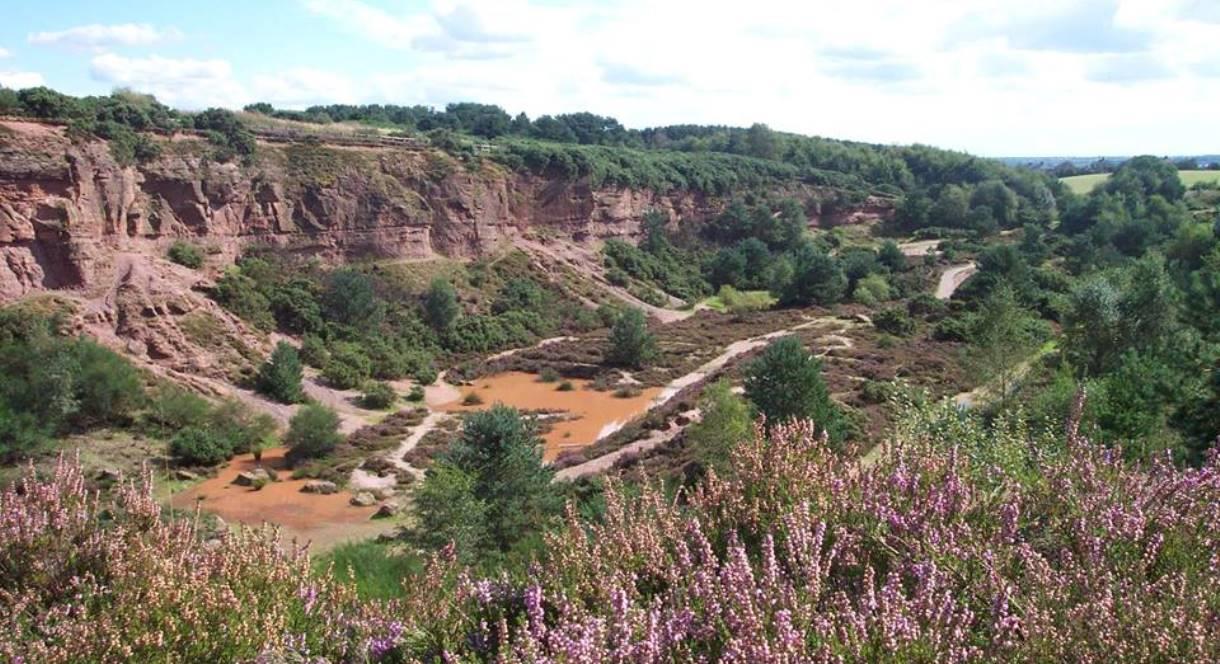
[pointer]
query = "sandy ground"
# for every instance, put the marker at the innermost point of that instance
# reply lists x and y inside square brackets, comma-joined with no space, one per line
[321,520]
[587,414]
[919,248]
[954,277]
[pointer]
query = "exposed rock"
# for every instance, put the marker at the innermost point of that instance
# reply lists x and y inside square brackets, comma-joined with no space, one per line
[185,475]
[320,486]
[387,509]
[252,477]
[384,492]
[109,475]
[363,499]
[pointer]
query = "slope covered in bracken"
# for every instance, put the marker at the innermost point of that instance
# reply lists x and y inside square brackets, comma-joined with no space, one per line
[959,543]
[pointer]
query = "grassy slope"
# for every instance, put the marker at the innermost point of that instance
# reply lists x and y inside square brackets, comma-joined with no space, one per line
[1083,184]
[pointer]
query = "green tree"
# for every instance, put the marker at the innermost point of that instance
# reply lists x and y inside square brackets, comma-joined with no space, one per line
[313,432]
[350,299]
[785,383]
[501,451]
[890,255]
[347,367]
[449,511]
[631,344]
[1001,340]
[280,376]
[199,447]
[761,142]
[817,278]
[726,421]
[441,305]
[951,207]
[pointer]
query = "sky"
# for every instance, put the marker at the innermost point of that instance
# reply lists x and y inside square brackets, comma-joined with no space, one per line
[994,77]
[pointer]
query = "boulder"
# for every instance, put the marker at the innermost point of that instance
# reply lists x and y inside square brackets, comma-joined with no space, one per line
[252,477]
[320,486]
[384,492]
[185,475]
[109,475]
[363,499]
[387,509]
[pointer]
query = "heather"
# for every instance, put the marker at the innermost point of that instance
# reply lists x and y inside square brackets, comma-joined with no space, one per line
[958,541]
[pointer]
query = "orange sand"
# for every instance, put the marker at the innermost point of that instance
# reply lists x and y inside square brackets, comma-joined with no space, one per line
[305,516]
[591,414]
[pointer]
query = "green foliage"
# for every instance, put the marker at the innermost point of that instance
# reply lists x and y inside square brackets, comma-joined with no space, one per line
[1001,338]
[240,295]
[894,320]
[416,394]
[225,131]
[725,422]
[186,254]
[377,570]
[441,305]
[349,299]
[739,303]
[348,366]
[785,383]
[890,255]
[314,351]
[817,278]
[491,491]
[280,376]
[378,396]
[199,446]
[631,344]
[872,290]
[313,432]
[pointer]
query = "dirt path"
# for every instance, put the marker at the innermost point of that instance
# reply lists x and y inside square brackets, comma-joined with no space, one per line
[954,277]
[919,248]
[606,461]
[541,344]
[362,479]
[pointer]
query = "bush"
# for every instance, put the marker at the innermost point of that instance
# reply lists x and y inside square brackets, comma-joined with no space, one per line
[895,321]
[198,446]
[548,375]
[872,290]
[426,374]
[631,345]
[565,386]
[472,399]
[314,352]
[378,396]
[416,394]
[313,432]
[173,408]
[348,367]
[952,329]
[280,376]
[186,255]
[785,383]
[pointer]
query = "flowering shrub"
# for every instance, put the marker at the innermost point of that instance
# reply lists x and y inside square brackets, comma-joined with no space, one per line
[83,580]
[955,543]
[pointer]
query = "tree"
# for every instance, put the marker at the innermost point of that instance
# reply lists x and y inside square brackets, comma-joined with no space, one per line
[449,511]
[1001,339]
[785,383]
[280,376]
[313,432]
[760,141]
[817,278]
[998,199]
[348,367]
[441,305]
[631,344]
[951,207]
[199,447]
[500,450]
[349,299]
[725,422]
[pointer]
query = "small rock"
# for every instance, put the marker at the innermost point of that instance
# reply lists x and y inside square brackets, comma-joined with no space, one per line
[185,475]
[385,538]
[212,544]
[319,486]
[363,499]
[252,477]
[384,492]
[861,318]
[109,475]
[387,509]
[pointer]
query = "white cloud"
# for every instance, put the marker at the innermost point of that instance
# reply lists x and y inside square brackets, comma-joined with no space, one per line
[4,52]
[20,79]
[97,36]
[298,88]
[187,82]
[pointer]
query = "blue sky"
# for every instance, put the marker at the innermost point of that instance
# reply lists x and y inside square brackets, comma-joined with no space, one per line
[997,77]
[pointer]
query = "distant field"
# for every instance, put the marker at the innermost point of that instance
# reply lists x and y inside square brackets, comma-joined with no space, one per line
[1083,184]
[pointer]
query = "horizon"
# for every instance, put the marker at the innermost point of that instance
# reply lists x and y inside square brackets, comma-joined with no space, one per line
[996,79]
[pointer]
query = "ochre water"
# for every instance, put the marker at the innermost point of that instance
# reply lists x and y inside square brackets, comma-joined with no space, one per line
[589,414]
[305,516]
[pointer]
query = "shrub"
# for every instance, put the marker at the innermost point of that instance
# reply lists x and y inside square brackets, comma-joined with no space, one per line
[416,394]
[172,408]
[548,375]
[895,321]
[472,399]
[348,366]
[280,376]
[426,374]
[872,290]
[785,383]
[378,396]
[186,255]
[198,446]
[313,351]
[313,432]
[627,392]
[631,344]
[565,386]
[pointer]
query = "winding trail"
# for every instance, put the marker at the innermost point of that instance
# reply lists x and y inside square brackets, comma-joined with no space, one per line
[954,277]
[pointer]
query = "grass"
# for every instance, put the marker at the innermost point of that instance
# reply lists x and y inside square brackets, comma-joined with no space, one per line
[377,569]
[1083,184]
[715,303]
